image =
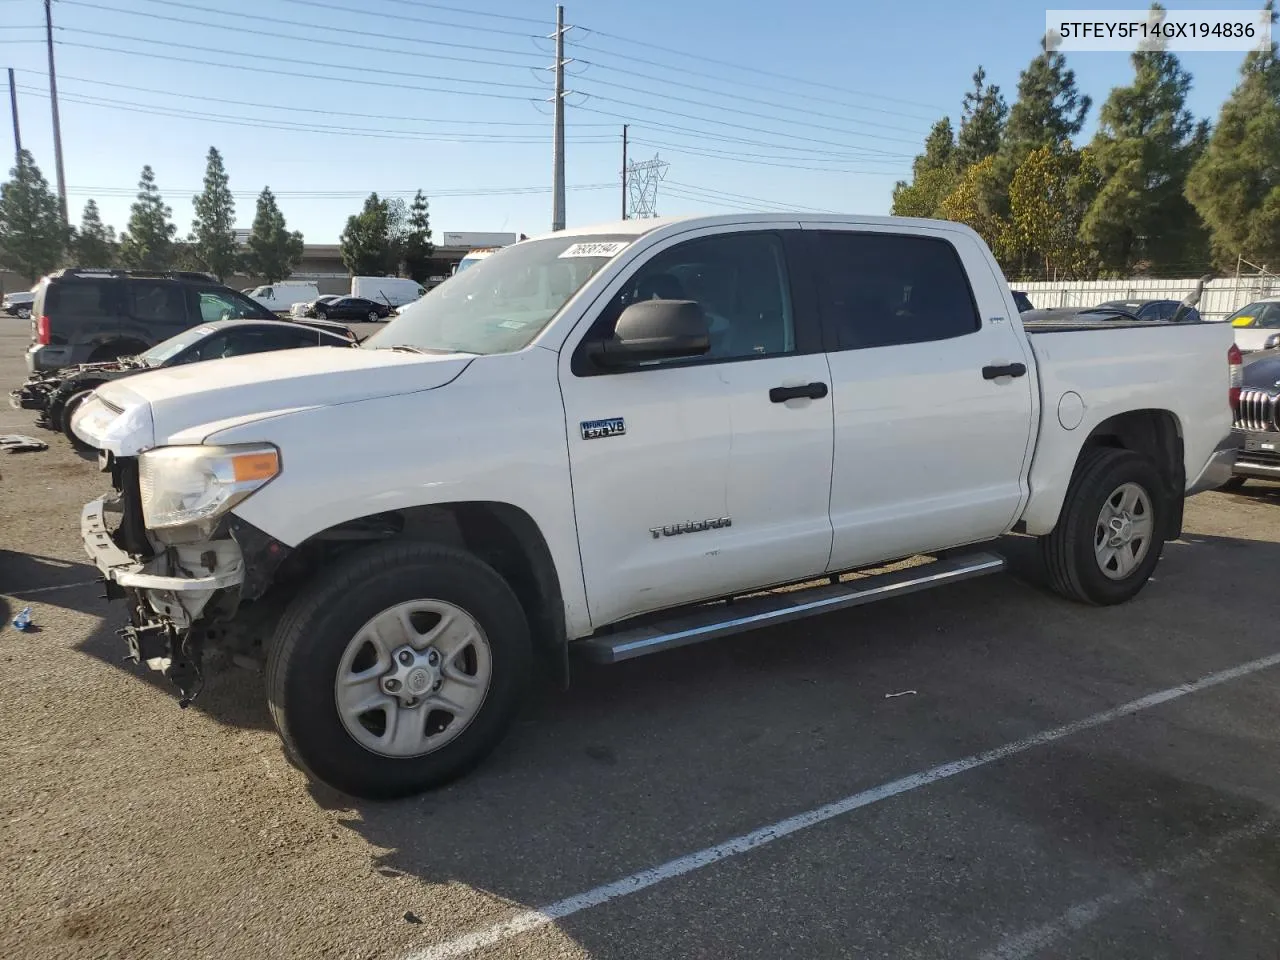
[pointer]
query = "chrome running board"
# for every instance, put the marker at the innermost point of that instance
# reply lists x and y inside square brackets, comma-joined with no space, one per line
[721,619]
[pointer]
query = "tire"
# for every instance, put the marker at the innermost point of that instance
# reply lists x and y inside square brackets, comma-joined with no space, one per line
[68,409]
[374,317]
[1235,483]
[313,643]
[322,315]
[1075,569]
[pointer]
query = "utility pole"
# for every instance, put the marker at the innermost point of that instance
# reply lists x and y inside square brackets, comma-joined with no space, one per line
[17,131]
[624,170]
[57,126]
[557,157]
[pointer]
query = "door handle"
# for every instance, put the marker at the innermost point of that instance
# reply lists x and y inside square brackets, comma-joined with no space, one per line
[1008,370]
[811,391]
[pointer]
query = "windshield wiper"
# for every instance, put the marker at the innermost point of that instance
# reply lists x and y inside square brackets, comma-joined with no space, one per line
[429,351]
[405,348]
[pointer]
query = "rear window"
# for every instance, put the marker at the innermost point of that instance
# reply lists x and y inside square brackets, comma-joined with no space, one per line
[157,300]
[80,300]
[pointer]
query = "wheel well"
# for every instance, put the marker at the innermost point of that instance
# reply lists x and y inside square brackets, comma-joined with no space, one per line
[502,535]
[1156,435]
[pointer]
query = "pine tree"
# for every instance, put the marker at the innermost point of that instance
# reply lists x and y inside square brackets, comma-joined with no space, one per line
[94,244]
[33,237]
[939,149]
[933,175]
[273,250]
[368,241]
[213,229]
[148,242]
[1145,146]
[1049,110]
[983,122]
[1235,184]
[417,240]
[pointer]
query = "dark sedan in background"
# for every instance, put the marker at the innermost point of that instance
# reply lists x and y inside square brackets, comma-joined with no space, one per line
[350,308]
[1153,309]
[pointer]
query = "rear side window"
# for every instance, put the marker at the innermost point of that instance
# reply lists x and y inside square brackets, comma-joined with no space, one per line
[156,300]
[877,290]
[81,299]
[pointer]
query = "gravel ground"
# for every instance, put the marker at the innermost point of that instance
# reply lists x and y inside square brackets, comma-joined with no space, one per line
[134,829]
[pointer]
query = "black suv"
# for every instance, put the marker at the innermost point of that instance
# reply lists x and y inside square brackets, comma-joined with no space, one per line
[90,316]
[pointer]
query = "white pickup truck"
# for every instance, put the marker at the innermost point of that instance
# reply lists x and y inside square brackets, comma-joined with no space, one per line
[619,440]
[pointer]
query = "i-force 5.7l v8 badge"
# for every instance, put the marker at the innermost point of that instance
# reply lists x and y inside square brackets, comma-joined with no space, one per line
[610,427]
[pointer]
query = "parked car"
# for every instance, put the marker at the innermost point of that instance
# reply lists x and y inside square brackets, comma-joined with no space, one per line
[1255,323]
[308,308]
[393,291]
[280,296]
[1153,309]
[1257,421]
[352,308]
[92,316]
[56,395]
[1022,301]
[613,431]
[18,303]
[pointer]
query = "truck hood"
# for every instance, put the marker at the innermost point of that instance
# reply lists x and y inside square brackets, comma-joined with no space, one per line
[187,403]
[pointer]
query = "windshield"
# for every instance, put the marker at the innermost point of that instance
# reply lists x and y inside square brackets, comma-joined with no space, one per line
[166,350]
[505,300]
[1261,314]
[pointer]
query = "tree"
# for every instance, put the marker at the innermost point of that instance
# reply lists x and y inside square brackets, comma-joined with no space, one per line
[1235,183]
[1049,111]
[148,242]
[1048,197]
[273,250]
[32,234]
[369,239]
[1145,146]
[417,240]
[213,229]
[968,204]
[982,122]
[933,175]
[94,244]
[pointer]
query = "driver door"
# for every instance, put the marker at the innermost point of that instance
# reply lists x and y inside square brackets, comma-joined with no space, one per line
[706,476]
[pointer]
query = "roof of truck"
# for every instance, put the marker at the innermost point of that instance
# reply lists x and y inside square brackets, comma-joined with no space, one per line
[640,226]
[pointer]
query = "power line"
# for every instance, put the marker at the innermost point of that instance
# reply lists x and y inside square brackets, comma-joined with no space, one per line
[402,17]
[464,10]
[749,69]
[716,154]
[119,192]
[293,74]
[326,112]
[179,113]
[782,164]
[312,26]
[744,197]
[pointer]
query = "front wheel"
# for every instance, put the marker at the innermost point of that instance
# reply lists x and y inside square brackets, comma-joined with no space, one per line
[398,669]
[322,314]
[373,316]
[1111,530]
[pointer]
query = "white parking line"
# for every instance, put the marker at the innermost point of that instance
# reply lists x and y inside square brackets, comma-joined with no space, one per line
[533,919]
[34,590]
[1037,939]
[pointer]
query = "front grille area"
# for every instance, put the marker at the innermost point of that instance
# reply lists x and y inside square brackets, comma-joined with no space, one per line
[1268,458]
[1257,411]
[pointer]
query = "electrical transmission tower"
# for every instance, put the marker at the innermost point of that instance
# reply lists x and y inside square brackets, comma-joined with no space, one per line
[642,186]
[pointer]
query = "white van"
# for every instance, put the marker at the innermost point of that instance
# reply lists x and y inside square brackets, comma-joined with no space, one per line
[473,257]
[393,291]
[279,297]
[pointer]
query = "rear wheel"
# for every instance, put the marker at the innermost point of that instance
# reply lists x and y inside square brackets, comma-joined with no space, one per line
[398,669]
[68,411]
[1111,530]
[373,316]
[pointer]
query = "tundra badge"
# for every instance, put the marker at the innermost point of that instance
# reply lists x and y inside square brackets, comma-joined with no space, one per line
[611,427]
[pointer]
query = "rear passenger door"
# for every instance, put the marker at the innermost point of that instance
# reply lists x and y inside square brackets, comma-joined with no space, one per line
[930,446]
[155,310]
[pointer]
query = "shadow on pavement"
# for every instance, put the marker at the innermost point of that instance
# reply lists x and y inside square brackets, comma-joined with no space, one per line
[26,577]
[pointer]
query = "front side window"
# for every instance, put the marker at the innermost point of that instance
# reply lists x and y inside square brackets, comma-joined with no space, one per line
[739,280]
[880,289]
[504,301]
[228,305]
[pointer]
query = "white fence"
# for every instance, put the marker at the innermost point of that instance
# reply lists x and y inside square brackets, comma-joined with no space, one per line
[1221,297]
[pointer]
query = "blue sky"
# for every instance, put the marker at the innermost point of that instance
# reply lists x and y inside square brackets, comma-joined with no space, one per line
[812,104]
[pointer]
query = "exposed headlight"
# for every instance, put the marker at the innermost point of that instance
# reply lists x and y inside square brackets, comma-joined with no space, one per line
[183,485]
[1273,341]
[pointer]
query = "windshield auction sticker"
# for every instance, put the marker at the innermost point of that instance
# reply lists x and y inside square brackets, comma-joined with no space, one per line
[609,248]
[1174,31]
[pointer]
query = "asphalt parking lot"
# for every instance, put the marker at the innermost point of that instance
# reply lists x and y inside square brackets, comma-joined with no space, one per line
[1053,780]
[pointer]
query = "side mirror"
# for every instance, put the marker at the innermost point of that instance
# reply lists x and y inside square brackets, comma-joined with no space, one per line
[655,330]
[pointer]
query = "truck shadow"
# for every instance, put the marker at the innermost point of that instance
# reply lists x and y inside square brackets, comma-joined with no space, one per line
[652,759]
[28,577]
